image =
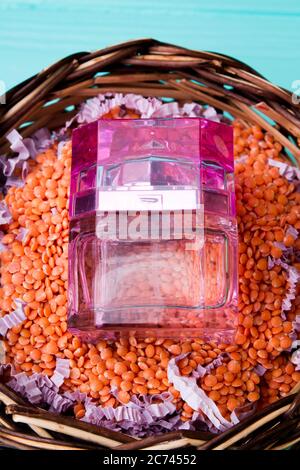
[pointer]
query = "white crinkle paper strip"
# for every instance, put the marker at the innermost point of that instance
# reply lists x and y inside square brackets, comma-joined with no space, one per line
[195,397]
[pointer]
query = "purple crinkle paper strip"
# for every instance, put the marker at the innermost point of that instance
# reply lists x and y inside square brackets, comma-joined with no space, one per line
[144,415]
[61,372]
[23,232]
[25,148]
[2,246]
[5,215]
[290,172]
[295,359]
[13,319]
[259,370]
[296,324]
[287,252]
[293,279]
[292,231]
[38,389]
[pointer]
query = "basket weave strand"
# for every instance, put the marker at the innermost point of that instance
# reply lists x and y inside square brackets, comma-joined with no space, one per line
[150,68]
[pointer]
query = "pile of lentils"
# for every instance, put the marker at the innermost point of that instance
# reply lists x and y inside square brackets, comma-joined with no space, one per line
[35,271]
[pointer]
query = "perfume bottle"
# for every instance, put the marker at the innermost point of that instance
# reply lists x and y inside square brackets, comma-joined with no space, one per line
[153,233]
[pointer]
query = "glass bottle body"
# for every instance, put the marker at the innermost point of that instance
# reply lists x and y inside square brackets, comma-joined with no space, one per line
[153,234]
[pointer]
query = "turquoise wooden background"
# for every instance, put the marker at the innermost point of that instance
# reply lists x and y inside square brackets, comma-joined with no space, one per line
[263,33]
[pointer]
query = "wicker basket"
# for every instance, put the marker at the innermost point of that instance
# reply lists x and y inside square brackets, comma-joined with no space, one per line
[150,68]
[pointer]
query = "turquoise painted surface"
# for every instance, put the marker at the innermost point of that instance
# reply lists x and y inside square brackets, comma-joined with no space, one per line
[263,33]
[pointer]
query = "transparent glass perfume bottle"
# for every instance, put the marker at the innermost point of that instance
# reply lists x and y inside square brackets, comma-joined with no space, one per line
[153,234]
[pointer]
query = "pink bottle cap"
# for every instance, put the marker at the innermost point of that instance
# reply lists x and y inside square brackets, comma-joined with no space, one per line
[117,163]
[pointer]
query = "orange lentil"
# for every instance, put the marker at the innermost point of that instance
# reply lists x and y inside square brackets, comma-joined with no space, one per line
[75,373]
[153,383]
[237,383]
[116,381]
[234,367]
[123,396]
[289,368]
[120,368]
[110,363]
[29,296]
[96,385]
[128,376]
[150,350]
[79,414]
[125,386]
[253,396]
[106,353]
[296,376]
[214,395]
[131,357]
[95,359]
[109,374]
[150,374]
[259,344]
[285,342]
[229,377]
[210,380]
[262,264]
[232,403]
[289,241]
